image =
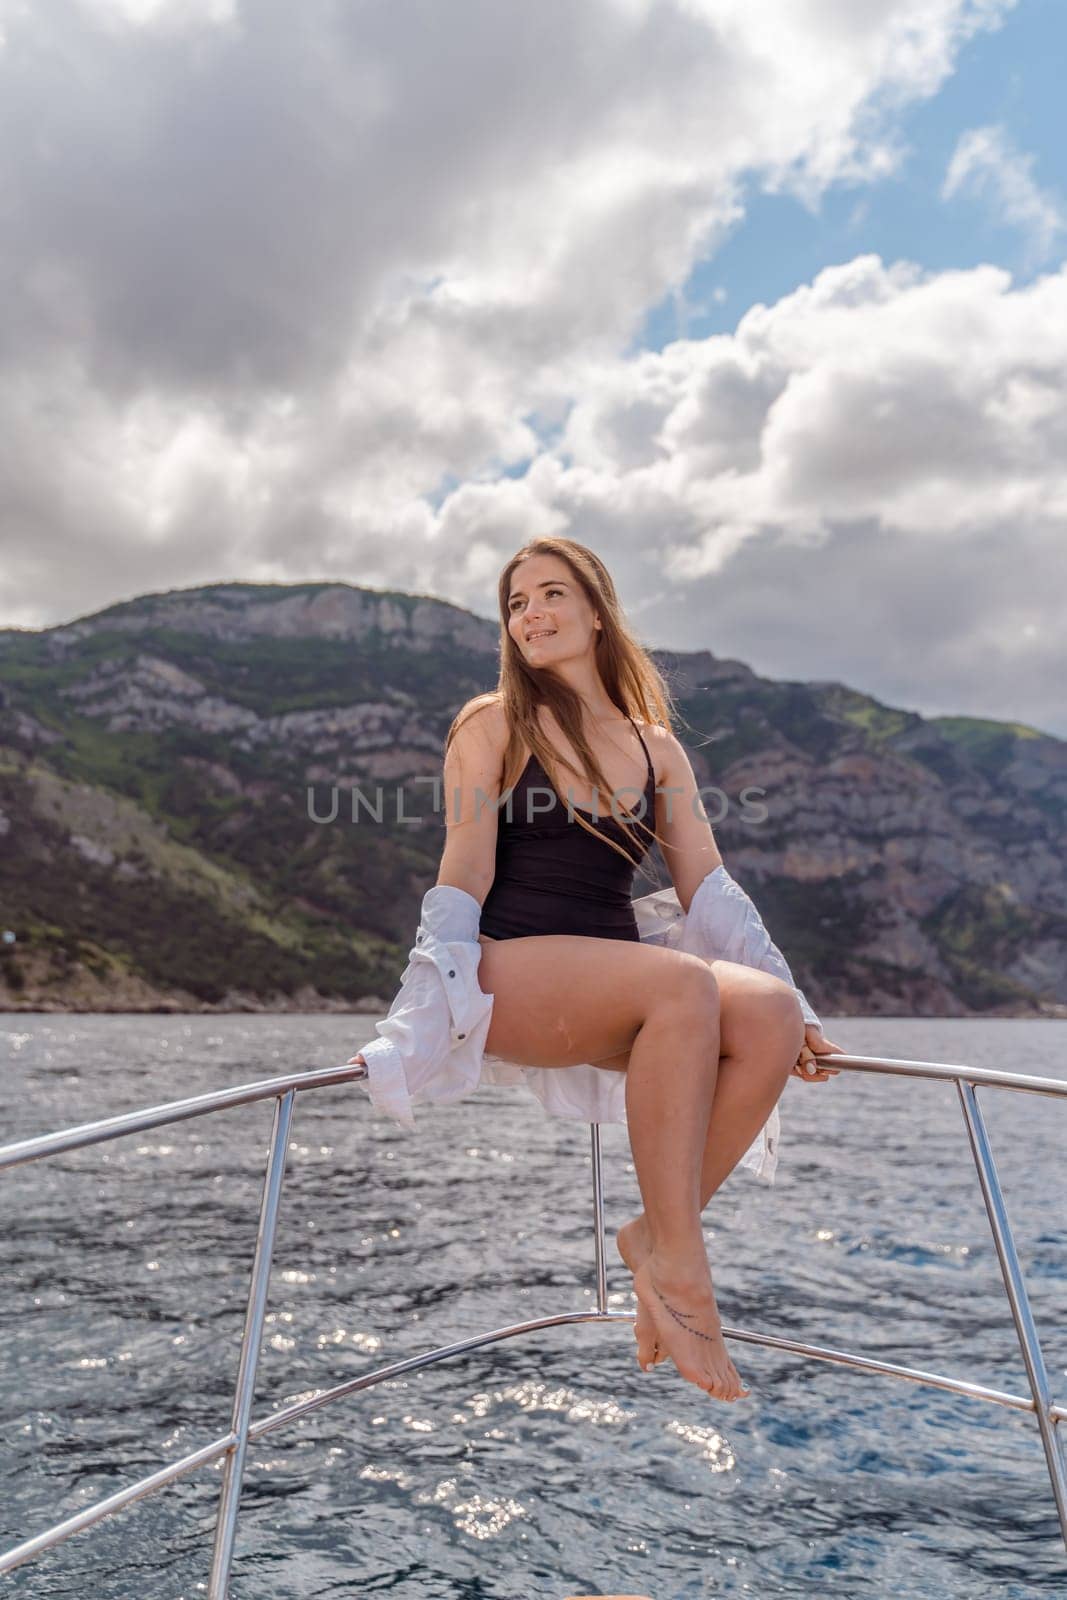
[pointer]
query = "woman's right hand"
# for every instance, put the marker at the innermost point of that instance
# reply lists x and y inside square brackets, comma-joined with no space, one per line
[356,1060]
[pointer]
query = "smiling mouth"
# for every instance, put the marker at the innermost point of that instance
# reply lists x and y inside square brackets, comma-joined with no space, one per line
[545,633]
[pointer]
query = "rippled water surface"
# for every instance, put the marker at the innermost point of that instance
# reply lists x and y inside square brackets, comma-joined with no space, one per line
[546,1465]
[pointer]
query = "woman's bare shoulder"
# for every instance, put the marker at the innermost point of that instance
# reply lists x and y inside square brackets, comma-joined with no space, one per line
[486,712]
[655,733]
[662,746]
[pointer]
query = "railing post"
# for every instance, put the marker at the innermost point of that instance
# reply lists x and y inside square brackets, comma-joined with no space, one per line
[233,1472]
[598,1220]
[1018,1299]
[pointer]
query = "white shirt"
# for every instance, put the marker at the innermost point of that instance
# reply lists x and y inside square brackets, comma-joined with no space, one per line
[431,1046]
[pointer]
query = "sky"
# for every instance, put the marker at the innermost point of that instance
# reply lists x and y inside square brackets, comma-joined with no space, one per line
[763,300]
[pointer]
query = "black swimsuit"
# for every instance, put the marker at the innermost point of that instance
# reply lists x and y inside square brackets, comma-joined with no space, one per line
[553,877]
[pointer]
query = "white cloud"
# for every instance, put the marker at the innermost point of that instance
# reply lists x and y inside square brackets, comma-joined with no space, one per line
[985,163]
[272,276]
[867,481]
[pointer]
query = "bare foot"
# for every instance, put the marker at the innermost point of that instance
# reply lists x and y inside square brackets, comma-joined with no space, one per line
[688,1326]
[633,1244]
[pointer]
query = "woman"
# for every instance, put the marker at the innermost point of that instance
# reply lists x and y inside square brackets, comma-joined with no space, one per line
[544,872]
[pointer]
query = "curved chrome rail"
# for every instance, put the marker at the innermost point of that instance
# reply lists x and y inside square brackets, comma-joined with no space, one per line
[233,1444]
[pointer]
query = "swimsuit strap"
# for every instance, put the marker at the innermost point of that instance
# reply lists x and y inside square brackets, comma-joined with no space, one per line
[644,747]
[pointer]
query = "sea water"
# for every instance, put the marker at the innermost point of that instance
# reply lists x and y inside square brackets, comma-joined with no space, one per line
[549,1464]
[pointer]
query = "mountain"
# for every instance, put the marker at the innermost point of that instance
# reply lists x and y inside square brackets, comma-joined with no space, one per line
[169,768]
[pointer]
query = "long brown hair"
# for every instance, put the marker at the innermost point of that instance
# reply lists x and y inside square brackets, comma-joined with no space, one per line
[631,678]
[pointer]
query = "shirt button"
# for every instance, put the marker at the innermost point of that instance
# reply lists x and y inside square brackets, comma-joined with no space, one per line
[461,1036]
[451,974]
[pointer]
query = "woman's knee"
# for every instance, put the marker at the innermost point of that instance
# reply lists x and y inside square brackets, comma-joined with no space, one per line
[691,992]
[783,1003]
[775,1010]
[785,1009]
[757,1010]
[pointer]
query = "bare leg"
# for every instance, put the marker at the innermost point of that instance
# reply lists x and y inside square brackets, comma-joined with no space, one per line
[669,1097]
[561,1000]
[748,1086]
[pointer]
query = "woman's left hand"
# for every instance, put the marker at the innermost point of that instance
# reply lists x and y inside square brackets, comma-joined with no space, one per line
[815,1045]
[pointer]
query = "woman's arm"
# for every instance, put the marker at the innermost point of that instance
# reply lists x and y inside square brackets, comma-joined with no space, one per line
[689,850]
[721,920]
[471,802]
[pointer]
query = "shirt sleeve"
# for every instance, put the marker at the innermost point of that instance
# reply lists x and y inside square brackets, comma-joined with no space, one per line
[723,917]
[419,1051]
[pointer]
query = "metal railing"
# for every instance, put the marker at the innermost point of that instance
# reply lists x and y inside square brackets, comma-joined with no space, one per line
[232,1446]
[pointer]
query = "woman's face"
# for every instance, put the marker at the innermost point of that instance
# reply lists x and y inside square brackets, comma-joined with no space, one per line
[544,598]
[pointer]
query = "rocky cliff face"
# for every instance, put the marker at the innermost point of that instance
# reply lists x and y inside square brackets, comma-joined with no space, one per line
[168,768]
[238,613]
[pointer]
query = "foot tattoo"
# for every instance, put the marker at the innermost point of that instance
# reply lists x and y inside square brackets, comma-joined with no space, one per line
[679,1315]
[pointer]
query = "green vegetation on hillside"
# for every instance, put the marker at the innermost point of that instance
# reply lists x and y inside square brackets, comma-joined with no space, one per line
[180,849]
